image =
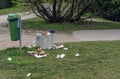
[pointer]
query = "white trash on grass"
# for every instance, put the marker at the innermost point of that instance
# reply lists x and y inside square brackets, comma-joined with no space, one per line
[65,49]
[61,46]
[30,52]
[61,56]
[40,56]
[58,56]
[9,59]
[77,54]
[28,75]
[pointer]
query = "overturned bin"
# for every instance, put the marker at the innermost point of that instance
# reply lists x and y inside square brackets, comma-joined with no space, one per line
[44,40]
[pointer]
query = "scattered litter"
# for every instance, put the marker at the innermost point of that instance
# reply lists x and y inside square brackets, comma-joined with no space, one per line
[48,33]
[30,52]
[40,53]
[65,49]
[53,48]
[58,56]
[61,56]
[61,46]
[29,46]
[28,75]
[77,54]
[40,56]
[9,59]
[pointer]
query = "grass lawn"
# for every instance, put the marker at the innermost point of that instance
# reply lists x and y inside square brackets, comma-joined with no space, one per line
[97,60]
[15,9]
[87,25]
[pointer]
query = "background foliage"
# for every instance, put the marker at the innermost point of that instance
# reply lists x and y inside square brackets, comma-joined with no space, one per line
[108,9]
[5,4]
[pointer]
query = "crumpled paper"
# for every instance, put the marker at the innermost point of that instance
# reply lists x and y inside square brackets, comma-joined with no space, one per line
[40,56]
[61,56]
[9,59]
[28,75]
[77,54]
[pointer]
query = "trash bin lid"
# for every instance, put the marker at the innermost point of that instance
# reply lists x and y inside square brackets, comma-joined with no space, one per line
[13,16]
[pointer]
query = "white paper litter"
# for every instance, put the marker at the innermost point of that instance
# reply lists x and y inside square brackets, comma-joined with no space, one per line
[28,75]
[61,46]
[48,33]
[9,59]
[58,56]
[61,56]
[65,49]
[30,52]
[77,54]
[40,56]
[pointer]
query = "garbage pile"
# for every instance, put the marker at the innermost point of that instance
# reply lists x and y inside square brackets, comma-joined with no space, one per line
[40,52]
[44,40]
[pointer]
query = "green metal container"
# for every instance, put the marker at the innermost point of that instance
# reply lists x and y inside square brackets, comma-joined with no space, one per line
[14,25]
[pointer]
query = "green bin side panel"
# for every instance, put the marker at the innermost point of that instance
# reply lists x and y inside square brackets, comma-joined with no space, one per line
[14,30]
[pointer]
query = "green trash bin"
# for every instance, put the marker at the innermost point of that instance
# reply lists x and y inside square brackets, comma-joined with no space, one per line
[14,25]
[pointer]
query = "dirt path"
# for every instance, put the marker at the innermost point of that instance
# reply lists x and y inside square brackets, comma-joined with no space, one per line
[28,38]
[97,35]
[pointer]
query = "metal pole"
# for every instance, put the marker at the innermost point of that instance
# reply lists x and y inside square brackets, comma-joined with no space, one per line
[52,40]
[20,32]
